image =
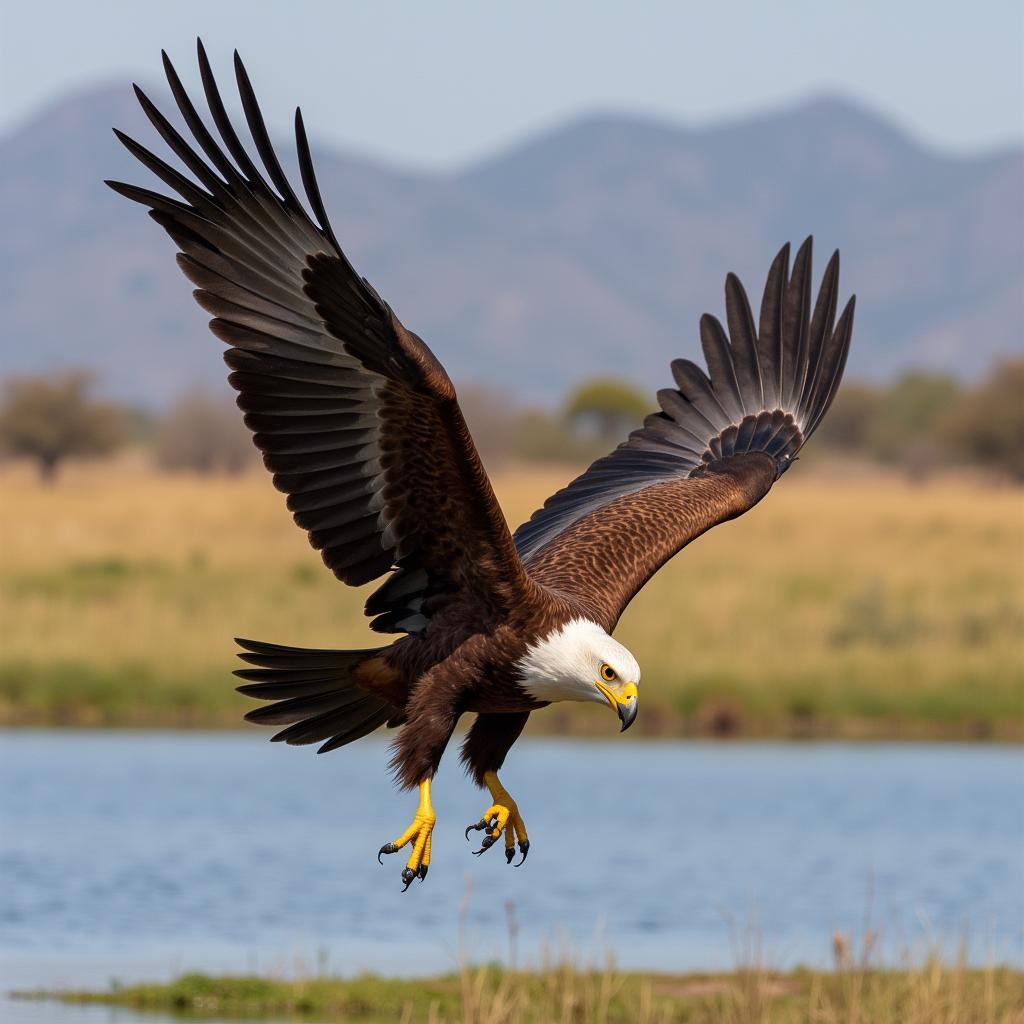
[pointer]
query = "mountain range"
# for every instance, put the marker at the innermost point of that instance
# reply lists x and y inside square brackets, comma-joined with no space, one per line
[591,249]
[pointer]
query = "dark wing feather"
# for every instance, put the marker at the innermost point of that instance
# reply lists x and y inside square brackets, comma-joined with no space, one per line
[712,452]
[355,417]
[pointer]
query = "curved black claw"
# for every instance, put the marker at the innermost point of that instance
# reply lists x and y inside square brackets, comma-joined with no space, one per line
[481,824]
[424,868]
[386,848]
[407,876]
[485,844]
[510,852]
[524,849]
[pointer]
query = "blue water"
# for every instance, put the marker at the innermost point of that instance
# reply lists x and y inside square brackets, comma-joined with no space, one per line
[142,854]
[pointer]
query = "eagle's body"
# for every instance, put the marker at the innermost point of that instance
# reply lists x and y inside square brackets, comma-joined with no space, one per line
[360,426]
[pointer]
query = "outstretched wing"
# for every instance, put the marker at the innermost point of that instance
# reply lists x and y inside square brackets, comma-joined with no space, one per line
[718,444]
[355,417]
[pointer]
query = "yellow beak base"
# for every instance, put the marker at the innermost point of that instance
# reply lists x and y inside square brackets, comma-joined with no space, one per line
[625,702]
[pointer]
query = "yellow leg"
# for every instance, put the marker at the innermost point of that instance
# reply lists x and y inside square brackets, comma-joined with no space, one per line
[502,816]
[418,833]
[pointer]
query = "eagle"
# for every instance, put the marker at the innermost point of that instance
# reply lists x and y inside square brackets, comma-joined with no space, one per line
[360,426]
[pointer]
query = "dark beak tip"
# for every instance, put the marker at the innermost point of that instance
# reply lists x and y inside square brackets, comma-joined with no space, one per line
[627,715]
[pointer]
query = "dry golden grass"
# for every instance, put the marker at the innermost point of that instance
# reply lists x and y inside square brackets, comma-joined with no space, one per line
[839,605]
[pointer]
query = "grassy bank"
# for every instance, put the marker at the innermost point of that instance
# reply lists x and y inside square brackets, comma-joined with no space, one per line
[851,607]
[928,993]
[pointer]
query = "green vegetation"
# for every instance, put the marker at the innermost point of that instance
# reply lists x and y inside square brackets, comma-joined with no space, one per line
[925,993]
[839,607]
[919,423]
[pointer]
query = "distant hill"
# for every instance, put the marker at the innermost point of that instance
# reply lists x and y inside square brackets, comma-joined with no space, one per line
[590,249]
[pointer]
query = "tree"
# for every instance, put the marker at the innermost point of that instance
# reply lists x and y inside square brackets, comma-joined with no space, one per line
[607,408]
[205,434]
[987,425]
[52,418]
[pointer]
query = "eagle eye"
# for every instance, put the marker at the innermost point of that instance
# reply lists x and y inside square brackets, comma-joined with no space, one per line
[608,673]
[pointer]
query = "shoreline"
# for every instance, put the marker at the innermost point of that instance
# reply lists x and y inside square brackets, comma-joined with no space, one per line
[566,991]
[666,727]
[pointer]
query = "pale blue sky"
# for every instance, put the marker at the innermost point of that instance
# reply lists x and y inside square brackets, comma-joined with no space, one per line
[439,83]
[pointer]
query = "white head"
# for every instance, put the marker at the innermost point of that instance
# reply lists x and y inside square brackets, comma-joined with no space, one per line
[580,661]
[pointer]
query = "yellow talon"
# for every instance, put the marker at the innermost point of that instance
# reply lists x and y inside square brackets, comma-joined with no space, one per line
[502,816]
[418,833]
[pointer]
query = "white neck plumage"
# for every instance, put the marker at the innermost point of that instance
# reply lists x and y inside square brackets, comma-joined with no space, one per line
[566,664]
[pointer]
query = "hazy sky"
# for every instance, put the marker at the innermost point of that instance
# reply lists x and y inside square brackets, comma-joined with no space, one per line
[440,82]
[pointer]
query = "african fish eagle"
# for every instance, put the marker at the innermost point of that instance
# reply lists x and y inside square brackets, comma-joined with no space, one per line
[360,427]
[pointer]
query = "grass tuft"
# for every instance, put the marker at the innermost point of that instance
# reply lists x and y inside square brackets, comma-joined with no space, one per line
[563,992]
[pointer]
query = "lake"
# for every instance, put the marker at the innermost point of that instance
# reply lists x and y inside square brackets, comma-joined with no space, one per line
[135,855]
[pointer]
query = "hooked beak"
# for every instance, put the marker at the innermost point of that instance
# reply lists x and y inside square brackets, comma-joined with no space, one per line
[626,702]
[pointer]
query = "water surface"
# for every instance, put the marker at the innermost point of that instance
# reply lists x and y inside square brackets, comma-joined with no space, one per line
[136,855]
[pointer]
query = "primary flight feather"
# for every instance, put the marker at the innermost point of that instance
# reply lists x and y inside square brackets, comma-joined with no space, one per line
[361,429]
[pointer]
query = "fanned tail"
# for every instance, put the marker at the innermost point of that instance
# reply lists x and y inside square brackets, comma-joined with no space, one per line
[314,692]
